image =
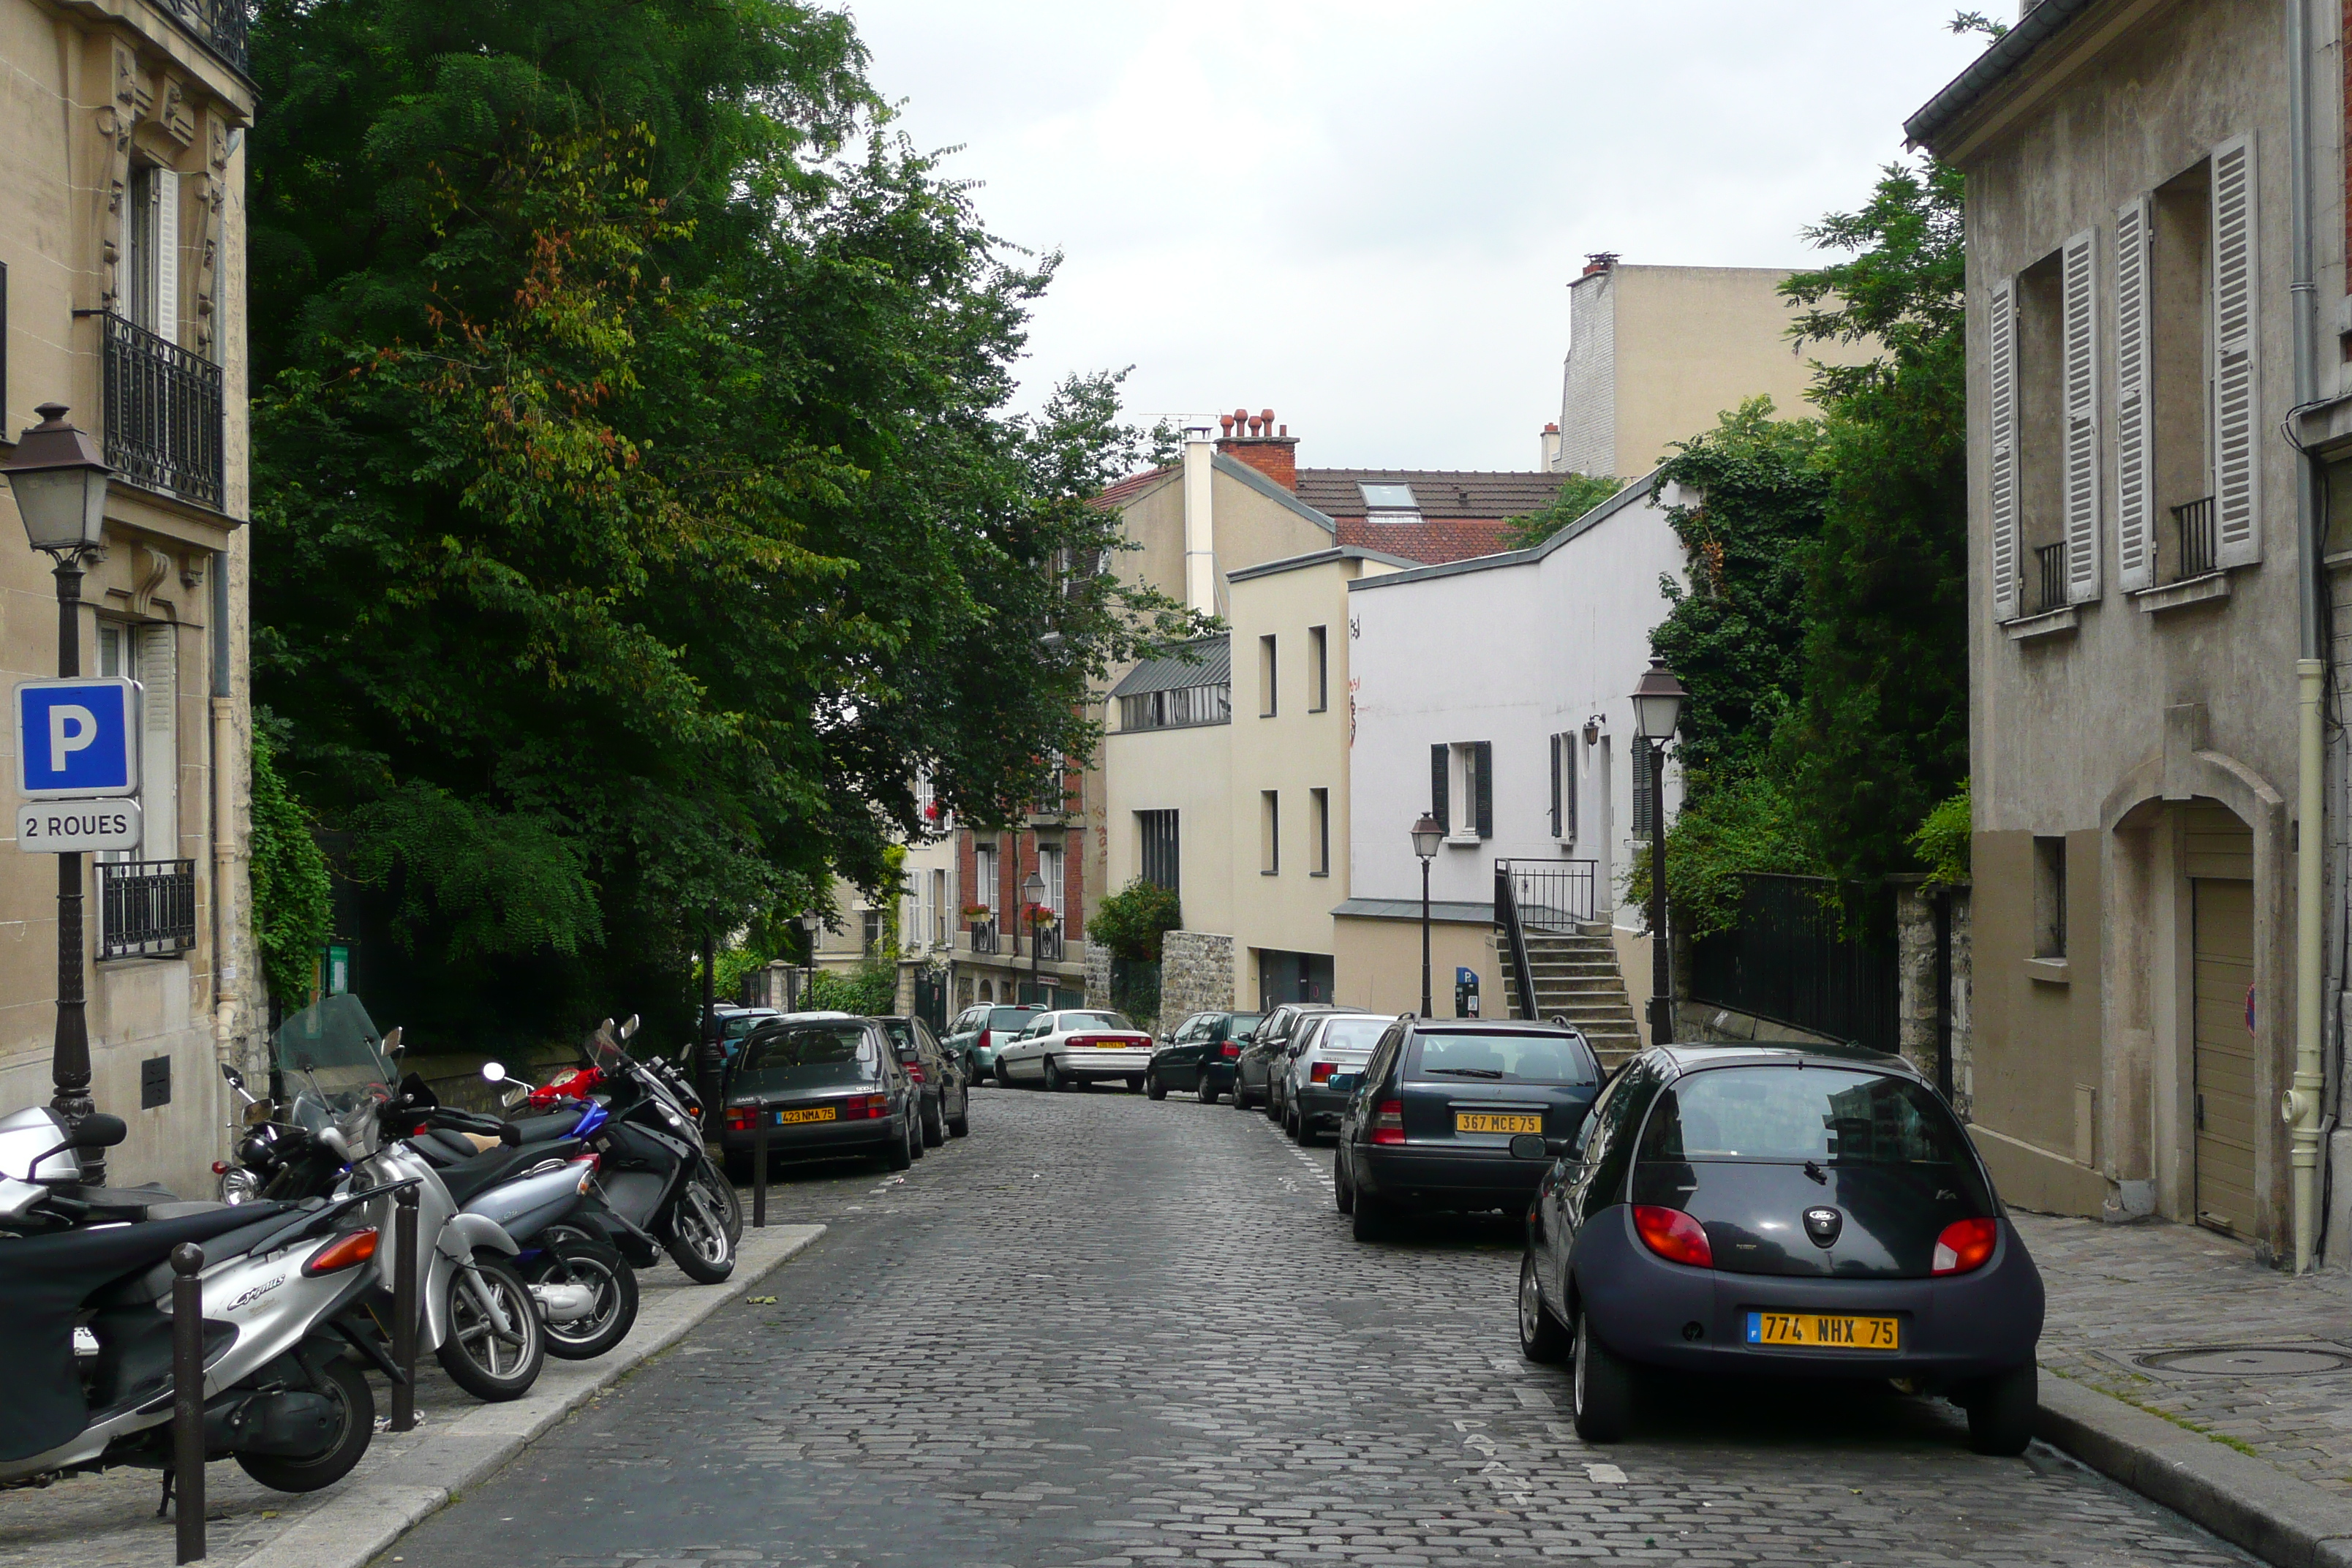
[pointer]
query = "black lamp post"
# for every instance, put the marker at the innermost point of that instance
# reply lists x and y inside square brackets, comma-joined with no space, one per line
[810,923]
[1033,898]
[1658,710]
[59,481]
[1426,835]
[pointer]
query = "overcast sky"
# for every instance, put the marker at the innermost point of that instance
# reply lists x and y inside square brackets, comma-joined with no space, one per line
[1364,213]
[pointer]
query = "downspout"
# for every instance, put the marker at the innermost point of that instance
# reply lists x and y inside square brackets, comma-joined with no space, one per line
[1200,529]
[2301,1105]
[224,738]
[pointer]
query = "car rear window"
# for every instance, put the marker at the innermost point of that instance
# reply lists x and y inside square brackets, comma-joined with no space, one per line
[902,1035]
[1010,1017]
[1790,1114]
[1351,1035]
[1498,1058]
[804,1045]
[1094,1021]
[1242,1025]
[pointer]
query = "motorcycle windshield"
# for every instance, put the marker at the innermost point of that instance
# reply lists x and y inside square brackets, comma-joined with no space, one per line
[333,1058]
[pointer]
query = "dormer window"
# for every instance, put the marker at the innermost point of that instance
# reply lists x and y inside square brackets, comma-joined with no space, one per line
[1390,503]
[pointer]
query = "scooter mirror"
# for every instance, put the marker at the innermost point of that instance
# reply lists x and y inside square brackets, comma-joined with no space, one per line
[97,1131]
[494,1072]
[392,1041]
[629,1028]
[236,1078]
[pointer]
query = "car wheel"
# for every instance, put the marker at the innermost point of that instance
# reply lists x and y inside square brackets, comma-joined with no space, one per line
[1600,1396]
[898,1154]
[1373,1217]
[1204,1094]
[1003,1074]
[935,1131]
[1052,1077]
[960,1126]
[1153,1087]
[1343,1191]
[2001,1409]
[915,1139]
[1241,1094]
[1541,1338]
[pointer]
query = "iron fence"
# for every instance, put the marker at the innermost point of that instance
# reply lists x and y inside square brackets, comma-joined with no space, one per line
[163,413]
[1552,895]
[1048,938]
[147,909]
[2194,522]
[219,24]
[1799,957]
[2049,563]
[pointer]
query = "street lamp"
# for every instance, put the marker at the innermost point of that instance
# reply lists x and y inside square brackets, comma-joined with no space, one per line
[1658,710]
[810,922]
[60,482]
[1032,896]
[1426,835]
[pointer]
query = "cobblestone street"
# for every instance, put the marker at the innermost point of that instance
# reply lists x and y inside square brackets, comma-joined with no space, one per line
[1107,1330]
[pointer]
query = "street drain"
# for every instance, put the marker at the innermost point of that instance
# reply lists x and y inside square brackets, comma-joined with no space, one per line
[2248,1361]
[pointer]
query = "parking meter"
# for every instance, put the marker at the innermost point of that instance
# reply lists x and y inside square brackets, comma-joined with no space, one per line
[1465,991]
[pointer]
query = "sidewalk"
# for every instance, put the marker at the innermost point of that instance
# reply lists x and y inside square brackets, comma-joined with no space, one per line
[2229,1384]
[108,1521]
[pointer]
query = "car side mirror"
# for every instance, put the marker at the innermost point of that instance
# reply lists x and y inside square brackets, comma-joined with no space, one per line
[1343,1082]
[1536,1146]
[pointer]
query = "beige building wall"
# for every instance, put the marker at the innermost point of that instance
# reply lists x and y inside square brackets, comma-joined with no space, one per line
[107,102]
[1377,964]
[1188,770]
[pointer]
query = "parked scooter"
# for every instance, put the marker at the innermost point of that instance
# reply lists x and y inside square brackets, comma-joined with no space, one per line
[85,1314]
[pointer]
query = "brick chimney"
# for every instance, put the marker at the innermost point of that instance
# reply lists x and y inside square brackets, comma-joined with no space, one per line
[1256,439]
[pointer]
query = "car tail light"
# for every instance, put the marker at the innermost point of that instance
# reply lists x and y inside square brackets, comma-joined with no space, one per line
[1230,1050]
[740,1117]
[915,1071]
[1966,1244]
[1673,1236]
[344,1252]
[980,1042]
[865,1107]
[1388,1122]
[1321,1071]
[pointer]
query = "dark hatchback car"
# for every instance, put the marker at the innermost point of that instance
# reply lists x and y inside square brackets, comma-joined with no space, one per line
[1200,1056]
[828,1089]
[1792,1210]
[1430,1118]
[939,1077]
[1263,1056]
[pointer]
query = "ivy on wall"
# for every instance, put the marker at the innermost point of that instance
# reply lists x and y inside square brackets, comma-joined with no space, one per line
[293,908]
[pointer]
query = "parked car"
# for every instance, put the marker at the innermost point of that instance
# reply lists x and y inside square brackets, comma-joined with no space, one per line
[1200,1056]
[1278,1107]
[1079,1047]
[1327,1046]
[734,1022]
[1254,1069]
[828,1087]
[1429,1121]
[979,1031]
[940,1082]
[1791,1209]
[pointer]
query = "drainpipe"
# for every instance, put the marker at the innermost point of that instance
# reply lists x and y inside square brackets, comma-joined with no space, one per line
[1200,532]
[2301,1105]
[224,708]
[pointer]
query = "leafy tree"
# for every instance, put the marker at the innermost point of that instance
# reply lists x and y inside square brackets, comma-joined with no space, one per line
[640,515]
[1131,922]
[1746,823]
[1945,839]
[1578,495]
[871,988]
[293,902]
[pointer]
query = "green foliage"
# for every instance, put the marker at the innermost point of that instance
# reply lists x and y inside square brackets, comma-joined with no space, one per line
[642,514]
[293,903]
[1944,840]
[872,988]
[1745,823]
[1965,22]
[1131,922]
[1580,495]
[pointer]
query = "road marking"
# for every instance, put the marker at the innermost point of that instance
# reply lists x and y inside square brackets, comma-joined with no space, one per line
[1321,1168]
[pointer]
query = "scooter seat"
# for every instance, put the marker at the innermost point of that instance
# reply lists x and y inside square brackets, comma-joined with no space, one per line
[135,1204]
[468,1178]
[547,1128]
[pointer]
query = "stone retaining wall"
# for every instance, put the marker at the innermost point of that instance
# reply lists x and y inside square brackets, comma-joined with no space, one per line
[1196,975]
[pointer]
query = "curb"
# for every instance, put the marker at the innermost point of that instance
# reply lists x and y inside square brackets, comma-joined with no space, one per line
[2243,1500]
[351,1530]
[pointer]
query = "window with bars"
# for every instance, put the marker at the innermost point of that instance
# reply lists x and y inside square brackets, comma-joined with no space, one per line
[1156,839]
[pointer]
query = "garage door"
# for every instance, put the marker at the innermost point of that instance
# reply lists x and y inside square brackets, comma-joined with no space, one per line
[2225,1055]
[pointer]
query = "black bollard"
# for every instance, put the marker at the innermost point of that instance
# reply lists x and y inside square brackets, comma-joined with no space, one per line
[760,1114]
[188,1398]
[404,1308]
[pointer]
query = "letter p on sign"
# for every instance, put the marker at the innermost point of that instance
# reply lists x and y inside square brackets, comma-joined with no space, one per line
[72,729]
[77,739]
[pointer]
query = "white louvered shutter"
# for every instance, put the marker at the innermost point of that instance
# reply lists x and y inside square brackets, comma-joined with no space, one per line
[2000,371]
[167,256]
[2082,367]
[2135,499]
[2237,477]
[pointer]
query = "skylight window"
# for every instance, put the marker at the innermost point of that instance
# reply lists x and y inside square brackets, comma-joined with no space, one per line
[1388,498]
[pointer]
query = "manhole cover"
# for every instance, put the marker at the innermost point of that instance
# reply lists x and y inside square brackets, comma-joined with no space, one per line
[2248,1361]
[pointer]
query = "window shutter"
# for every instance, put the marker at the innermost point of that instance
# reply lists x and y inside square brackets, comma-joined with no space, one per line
[2135,505]
[1554,786]
[2000,371]
[167,256]
[1439,808]
[1485,752]
[1570,759]
[1638,760]
[2237,489]
[2082,367]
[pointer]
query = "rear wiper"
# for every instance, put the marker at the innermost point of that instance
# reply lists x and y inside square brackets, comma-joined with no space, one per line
[1465,1072]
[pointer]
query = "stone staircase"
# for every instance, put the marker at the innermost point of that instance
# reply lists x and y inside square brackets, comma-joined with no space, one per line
[1577,977]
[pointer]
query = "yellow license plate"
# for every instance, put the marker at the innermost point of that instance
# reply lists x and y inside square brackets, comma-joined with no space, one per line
[1815,1330]
[1491,1122]
[814,1113]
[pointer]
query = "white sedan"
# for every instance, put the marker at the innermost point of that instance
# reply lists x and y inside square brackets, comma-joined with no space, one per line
[1058,1049]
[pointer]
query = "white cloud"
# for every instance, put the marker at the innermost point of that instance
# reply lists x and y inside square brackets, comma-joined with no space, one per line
[1364,212]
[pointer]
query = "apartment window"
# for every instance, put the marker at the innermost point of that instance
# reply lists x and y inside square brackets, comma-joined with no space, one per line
[151,232]
[1319,812]
[1156,838]
[1269,833]
[983,877]
[869,931]
[2050,897]
[1049,870]
[1564,758]
[1177,709]
[148,654]
[1318,671]
[1461,790]
[938,924]
[1266,678]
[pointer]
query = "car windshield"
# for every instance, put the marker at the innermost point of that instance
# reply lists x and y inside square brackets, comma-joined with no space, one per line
[1094,1021]
[1353,1036]
[1507,1058]
[1789,1114]
[1010,1017]
[804,1045]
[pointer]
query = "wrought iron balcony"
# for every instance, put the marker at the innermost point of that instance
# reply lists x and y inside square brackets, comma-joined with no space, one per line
[2194,522]
[1049,942]
[983,936]
[218,25]
[147,909]
[163,413]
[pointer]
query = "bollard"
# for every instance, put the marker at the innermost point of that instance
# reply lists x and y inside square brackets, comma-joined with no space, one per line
[760,1167]
[404,1308]
[188,1398]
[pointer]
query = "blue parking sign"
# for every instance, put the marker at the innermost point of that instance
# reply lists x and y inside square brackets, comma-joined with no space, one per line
[77,738]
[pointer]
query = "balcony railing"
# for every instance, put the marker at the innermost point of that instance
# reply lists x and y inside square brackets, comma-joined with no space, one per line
[163,413]
[983,936]
[1049,942]
[147,909]
[2194,522]
[2050,565]
[218,24]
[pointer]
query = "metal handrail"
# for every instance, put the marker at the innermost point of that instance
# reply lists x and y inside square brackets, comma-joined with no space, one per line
[1515,940]
[1553,895]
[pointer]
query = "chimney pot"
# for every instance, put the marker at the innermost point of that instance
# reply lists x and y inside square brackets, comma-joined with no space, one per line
[1225,421]
[1285,430]
[1266,414]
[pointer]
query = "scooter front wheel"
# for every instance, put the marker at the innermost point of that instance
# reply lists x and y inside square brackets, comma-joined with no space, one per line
[573,1264]
[354,1404]
[494,1345]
